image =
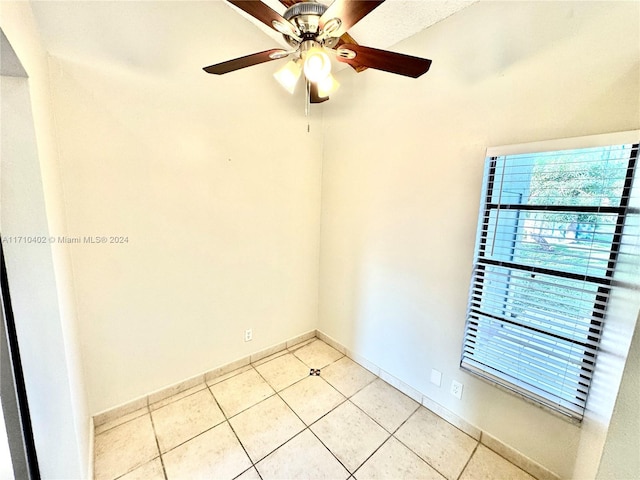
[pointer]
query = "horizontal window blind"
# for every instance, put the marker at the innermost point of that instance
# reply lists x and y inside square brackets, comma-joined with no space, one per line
[552,226]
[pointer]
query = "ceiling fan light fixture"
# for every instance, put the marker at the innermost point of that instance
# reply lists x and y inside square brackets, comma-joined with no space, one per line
[327,86]
[279,54]
[331,27]
[315,29]
[346,53]
[317,64]
[287,29]
[288,76]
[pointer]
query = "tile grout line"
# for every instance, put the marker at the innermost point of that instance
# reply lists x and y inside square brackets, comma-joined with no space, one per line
[280,446]
[198,434]
[226,419]
[283,401]
[155,435]
[323,415]
[148,404]
[348,399]
[148,410]
[146,398]
[416,453]
[391,434]
[123,423]
[252,366]
[328,449]
[468,460]
[361,388]
[214,382]
[156,441]
[177,399]
[405,421]
[501,456]
[375,421]
[285,351]
[251,406]
[307,427]
[372,453]
[276,393]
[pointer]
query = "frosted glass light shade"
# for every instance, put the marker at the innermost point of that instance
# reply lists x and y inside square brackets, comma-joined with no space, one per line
[317,65]
[327,86]
[288,76]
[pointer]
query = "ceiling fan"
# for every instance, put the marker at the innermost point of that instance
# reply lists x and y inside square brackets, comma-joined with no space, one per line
[315,31]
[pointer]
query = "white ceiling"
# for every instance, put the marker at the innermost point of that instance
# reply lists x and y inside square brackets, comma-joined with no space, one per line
[389,23]
[153,37]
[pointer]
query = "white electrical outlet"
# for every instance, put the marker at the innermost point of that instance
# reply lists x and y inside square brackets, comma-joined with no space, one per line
[248,335]
[456,389]
[436,377]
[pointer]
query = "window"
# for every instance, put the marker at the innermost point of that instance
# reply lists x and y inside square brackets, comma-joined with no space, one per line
[550,232]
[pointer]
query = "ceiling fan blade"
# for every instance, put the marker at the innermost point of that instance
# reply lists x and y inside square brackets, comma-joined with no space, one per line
[349,12]
[392,62]
[348,39]
[246,61]
[314,96]
[262,12]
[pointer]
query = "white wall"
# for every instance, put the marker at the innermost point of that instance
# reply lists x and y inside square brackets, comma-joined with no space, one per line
[216,185]
[401,185]
[39,274]
[620,458]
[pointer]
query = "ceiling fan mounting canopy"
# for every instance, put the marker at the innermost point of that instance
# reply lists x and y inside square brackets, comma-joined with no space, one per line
[313,29]
[305,16]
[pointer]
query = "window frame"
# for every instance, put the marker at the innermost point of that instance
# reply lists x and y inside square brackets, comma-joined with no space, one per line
[604,285]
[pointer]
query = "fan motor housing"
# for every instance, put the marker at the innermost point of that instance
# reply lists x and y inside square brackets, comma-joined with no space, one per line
[306,16]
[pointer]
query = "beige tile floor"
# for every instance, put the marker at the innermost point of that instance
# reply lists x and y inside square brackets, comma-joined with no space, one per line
[272,420]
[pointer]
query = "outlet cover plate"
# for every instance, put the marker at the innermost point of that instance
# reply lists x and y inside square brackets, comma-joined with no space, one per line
[456,389]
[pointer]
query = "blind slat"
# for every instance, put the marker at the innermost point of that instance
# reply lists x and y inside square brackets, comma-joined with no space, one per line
[549,232]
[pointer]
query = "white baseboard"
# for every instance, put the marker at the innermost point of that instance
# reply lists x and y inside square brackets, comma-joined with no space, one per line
[205,377]
[515,457]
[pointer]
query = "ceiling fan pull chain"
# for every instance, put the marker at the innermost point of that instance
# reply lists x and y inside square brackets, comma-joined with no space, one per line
[307,99]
